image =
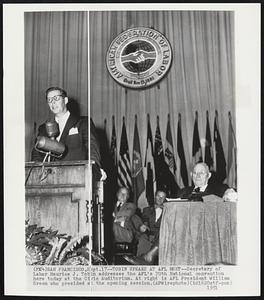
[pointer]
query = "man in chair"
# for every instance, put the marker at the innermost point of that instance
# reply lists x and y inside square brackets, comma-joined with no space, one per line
[151,217]
[126,224]
[149,238]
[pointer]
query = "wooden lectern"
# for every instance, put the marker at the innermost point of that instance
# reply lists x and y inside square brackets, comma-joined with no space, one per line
[63,196]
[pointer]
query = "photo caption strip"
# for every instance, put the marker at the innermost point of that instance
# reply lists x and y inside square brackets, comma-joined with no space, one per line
[113,277]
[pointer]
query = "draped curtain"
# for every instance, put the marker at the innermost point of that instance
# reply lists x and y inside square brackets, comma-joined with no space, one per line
[200,79]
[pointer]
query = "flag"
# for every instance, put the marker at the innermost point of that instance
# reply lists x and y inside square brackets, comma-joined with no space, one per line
[180,150]
[137,170]
[231,158]
[169,153]
[150,185]
[208,156]
[149,164]
[158,157]
[196,146]
[220,162]
[164,178]
[172,186]
[124,168]
[113,148]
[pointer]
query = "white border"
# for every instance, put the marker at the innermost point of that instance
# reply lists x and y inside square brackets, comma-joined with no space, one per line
[246,280]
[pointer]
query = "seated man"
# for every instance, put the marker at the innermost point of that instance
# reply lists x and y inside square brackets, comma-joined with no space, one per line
[148,241]
[151,218]
[126,223]
[202,187]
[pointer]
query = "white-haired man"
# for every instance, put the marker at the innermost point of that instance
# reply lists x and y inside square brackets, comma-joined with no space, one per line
[202,187]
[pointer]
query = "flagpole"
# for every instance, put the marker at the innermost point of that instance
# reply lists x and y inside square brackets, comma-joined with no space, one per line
[89,154]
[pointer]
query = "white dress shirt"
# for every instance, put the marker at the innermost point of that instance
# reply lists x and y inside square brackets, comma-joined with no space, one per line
[62,122]
[202,189]
[158,211]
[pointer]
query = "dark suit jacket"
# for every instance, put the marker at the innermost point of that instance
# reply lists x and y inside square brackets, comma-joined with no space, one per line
[211,189]
[76,144]
[124,233]
[127,210]
[149,218]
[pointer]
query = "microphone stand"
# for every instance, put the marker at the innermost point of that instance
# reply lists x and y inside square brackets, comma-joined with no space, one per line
[49,153]
[47,157]
[42,176]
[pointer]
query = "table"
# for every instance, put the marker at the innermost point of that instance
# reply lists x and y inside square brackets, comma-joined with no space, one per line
[198,233]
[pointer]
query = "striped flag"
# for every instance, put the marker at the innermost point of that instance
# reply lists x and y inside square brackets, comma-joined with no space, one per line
[196,146]
[169,153]
[180,150]
[231,158]
[124,167]
[208,156]
[137,170]
[220,162]
[149,164]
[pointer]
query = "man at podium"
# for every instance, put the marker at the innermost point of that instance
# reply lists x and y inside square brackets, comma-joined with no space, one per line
[68,130]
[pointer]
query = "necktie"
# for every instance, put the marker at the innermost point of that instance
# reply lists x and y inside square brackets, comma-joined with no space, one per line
[197,190]
[118,207]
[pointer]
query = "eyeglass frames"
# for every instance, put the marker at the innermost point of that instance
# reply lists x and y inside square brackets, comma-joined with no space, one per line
[54,98]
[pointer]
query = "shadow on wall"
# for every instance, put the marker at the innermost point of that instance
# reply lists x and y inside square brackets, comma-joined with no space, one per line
[74,107]
[214,178]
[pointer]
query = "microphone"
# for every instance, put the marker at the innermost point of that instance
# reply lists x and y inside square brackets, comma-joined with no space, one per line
[50,145]
[52,129]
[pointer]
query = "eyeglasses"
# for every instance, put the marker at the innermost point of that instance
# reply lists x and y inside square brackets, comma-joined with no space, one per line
[54,98]
[199,173]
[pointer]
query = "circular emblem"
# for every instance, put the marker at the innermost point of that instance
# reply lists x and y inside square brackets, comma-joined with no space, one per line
[139,57]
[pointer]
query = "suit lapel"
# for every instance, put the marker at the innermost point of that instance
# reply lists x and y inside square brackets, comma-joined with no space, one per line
[72,120]
[122,207]
[208,190]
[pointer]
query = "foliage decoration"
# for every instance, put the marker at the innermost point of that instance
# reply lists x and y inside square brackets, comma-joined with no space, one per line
[48,247]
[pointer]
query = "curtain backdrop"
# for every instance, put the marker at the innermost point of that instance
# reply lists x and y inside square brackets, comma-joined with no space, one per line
[200,79]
